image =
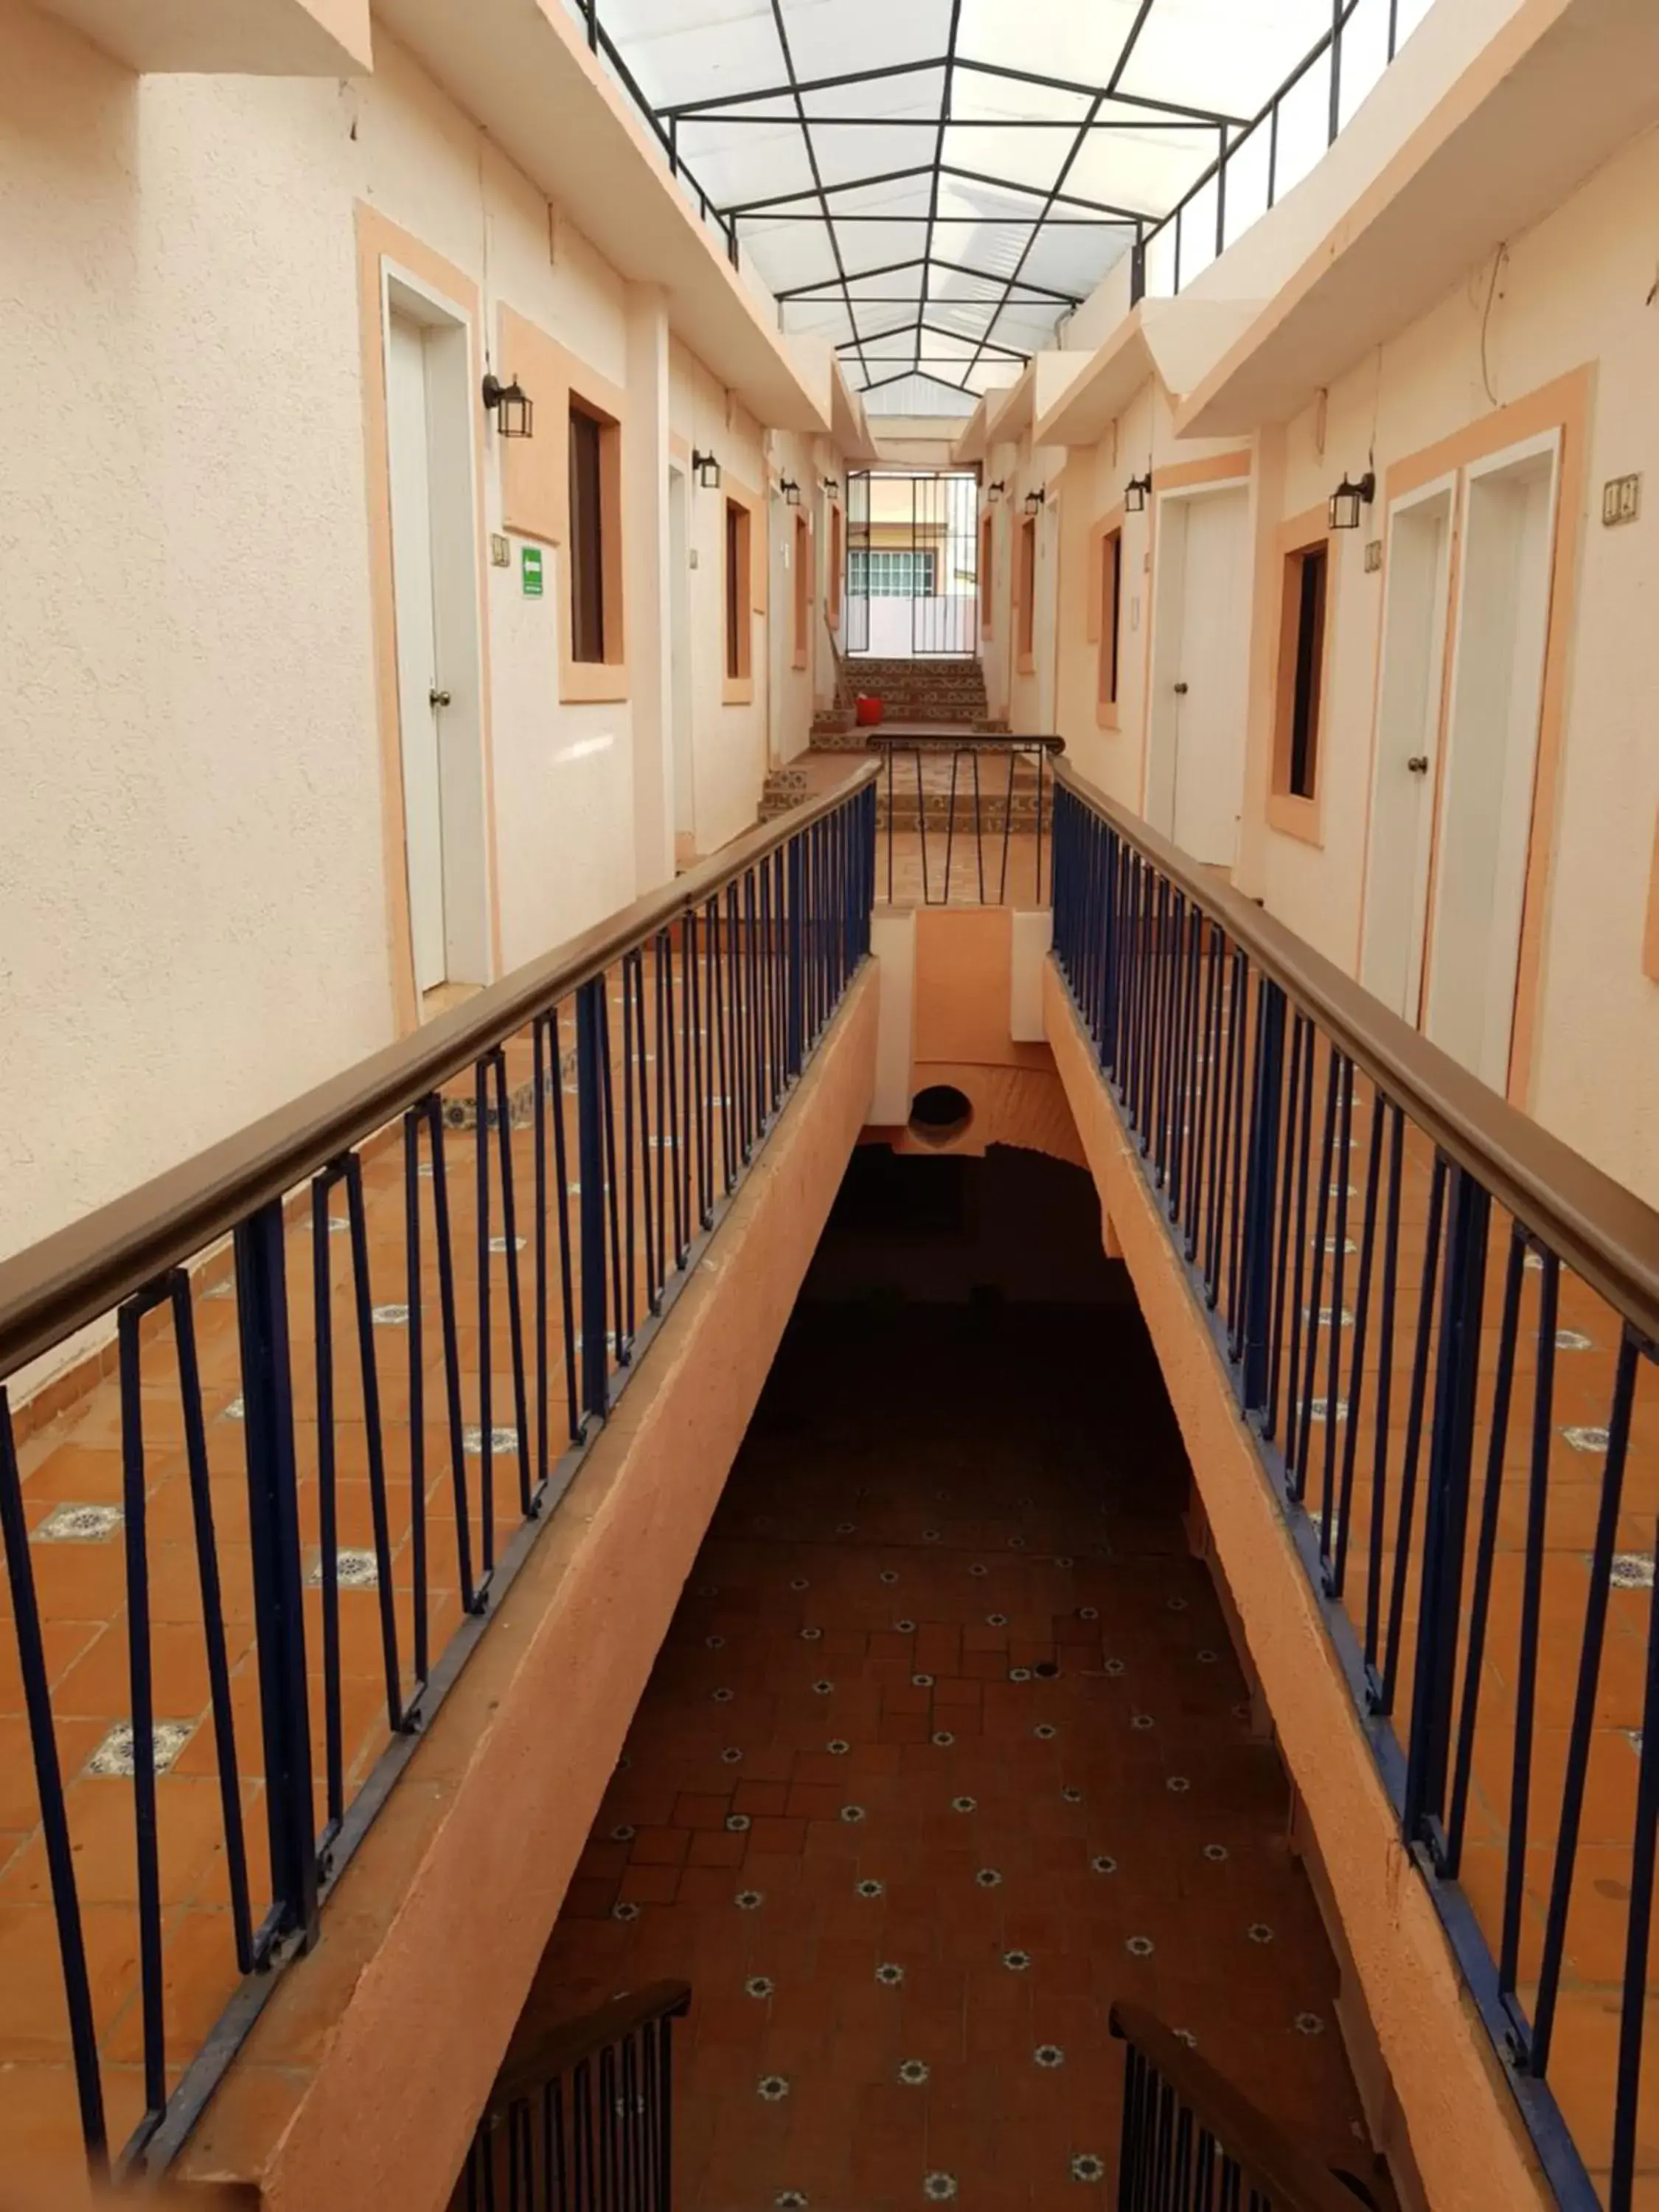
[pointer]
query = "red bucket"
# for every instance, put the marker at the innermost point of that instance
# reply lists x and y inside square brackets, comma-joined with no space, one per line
[868,712]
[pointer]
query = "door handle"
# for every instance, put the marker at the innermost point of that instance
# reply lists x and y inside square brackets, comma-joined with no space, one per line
[1418,764]
[1181,690]
[436,698]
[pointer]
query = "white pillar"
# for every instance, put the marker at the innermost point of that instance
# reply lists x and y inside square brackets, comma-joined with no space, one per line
[645,553]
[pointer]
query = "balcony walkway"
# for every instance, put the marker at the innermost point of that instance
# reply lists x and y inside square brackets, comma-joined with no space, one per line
[946,1750]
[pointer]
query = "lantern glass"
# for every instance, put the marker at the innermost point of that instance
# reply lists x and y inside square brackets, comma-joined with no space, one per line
[1134,494]
[515,417]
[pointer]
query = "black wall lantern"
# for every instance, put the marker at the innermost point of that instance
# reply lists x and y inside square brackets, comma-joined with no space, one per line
[511,406]
[1346,502]
[993,492]
[1135,494]
[1036,499]
[791,491]
[707,469]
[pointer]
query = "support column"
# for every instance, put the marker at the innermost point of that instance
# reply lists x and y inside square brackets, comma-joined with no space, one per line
[645,556]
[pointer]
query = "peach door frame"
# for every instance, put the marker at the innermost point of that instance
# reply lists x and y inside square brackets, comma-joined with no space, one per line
[383,248]
[1562,405]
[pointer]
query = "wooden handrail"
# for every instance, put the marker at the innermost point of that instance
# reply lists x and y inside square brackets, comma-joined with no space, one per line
[1298,2182]
[54,1287]
[984,741]
[1594,1227]
[553,2053]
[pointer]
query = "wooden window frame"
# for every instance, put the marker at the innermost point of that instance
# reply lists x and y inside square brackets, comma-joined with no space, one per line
[1300,813]
[606,678]
[741,593]
[832,580]
[1108,624]
[987,573]
[1026,597]
[587,537]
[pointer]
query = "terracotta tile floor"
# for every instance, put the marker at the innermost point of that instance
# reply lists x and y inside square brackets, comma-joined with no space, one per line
[946,1748]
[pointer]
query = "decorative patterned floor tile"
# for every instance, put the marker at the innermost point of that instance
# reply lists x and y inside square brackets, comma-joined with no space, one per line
[903,1920]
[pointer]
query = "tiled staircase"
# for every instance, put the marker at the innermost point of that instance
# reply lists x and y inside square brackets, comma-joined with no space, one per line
[950,690]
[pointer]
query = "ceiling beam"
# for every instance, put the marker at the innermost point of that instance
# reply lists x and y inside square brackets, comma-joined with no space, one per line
[1082,139]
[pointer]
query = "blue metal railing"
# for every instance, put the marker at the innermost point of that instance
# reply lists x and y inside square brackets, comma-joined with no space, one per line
[330,1530]
[1346,1202]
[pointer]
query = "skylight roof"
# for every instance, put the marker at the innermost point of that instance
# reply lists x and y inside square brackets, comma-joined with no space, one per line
[931,185]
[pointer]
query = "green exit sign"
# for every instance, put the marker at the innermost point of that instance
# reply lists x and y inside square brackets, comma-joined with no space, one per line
[529,558]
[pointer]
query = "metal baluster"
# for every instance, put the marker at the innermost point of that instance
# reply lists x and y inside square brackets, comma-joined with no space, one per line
[561,1185]
[1413,1432]
[1286,1177]
[1485,1548]
[374,1439]
[539,1157]
[591,1212]
[1634,2002]
[628,1150]
[1357,1359]
[616,1339]
[1333,1333]
[486,1339]
[1451,1444]
[413,1291]
[274,1541]
[49,1794]
[1384,1397]
[327,1505]
[470,1595]
[1526,1684]
[1315,1294]
[1583,1709]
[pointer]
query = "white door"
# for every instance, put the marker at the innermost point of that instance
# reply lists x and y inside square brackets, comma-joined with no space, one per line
[419,690]
[1491,756]
[1200,676]
[1407,743]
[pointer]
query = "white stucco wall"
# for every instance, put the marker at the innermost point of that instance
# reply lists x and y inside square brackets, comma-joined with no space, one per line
[192,918]
[193,902]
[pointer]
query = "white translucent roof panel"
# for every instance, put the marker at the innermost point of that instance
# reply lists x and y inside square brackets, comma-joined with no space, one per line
[932,184]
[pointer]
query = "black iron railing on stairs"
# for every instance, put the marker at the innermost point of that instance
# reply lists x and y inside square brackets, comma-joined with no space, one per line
[360,1350]
[580,2118]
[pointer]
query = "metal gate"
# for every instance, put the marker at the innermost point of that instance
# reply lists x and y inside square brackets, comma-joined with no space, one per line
[857,595]
[912,565]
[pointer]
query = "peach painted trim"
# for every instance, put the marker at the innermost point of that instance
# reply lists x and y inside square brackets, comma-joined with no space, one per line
[1563,405]
[679,447]
[1289,814]
[1218,468]
[1651,932]
[379,242]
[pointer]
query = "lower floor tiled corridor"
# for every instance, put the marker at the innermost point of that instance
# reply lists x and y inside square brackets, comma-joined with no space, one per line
[947,1749]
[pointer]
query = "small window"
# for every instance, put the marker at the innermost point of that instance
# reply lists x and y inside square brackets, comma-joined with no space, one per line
[803,590]
[986,548]
[1302,670]
[737,591]
[1111,611]
[832,580]
[587,547]
[1025,603]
